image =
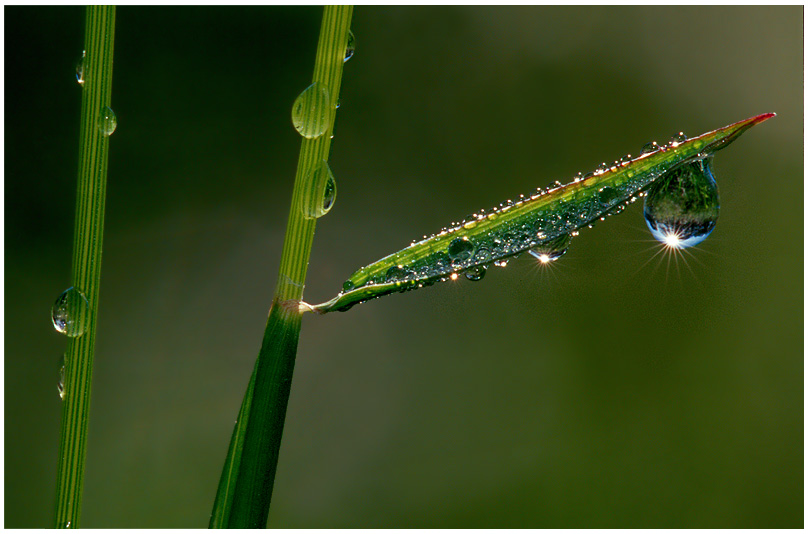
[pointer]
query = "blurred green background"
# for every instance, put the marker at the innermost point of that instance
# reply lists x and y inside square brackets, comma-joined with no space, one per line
[616,389]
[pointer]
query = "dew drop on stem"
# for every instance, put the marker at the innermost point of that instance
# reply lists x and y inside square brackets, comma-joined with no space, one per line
[60,385]
[80,69]
[107,122]
[70,313]
[351,44]
[319,195]
[649,148]
[476,273]
[310,114]
[682,207]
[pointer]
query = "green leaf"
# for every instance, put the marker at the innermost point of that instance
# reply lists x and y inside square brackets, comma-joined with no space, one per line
[542,219]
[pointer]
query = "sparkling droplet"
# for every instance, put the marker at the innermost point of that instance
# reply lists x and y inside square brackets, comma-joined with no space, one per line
[319,197]
[70,313]
[501,263]
[348,285]
[649,148]
[351,44]
[310,114]
[682,207]
[460,249]
[80,69]
[107,121]
[337,104]
[677,139]
[60,385]
[476,273]
[552,250]
[601,168]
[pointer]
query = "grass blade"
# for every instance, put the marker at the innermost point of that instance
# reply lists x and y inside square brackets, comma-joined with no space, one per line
[542,218]
[87,240]
[246,485]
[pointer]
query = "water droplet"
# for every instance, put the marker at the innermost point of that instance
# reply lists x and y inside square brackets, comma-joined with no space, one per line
[649,148]
[677,139]
[601,168]
[310,115]
[460,249]
[107,122]
[319,197]
[396,273]
[348,285]
[80,69]
[70,313]
[552,250]
[351,44]
[682,207]
[501,263]
[482,255]
[476,273]
[607,195]
[337,105]
[60,385]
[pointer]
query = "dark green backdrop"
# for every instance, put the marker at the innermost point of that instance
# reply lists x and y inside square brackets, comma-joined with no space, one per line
[616,389]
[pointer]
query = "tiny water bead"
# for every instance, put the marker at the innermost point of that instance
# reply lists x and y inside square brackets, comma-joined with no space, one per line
[60,385]
[310,114]
[107,122]
[351,44]
[319,197]
[551,251]
[80,69]
[678,139]
[70,313]
[681,209]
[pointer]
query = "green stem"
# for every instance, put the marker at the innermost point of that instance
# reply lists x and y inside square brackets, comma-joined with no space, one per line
[246,485]
[87,238]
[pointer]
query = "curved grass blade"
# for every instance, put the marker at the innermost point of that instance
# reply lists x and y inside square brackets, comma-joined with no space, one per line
[515,227]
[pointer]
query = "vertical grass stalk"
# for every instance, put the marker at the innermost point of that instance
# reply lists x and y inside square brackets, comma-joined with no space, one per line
[246,484]
[87,238]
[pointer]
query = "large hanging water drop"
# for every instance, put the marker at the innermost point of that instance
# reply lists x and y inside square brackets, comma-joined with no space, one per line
[319,196]
[310,114]
[70,313]
[107,122]
[351,44]
[682,207]
[80,69]
[552,250]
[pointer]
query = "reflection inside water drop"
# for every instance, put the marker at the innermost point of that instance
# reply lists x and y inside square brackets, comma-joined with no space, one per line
[681,208]
[80,69]
[60,385]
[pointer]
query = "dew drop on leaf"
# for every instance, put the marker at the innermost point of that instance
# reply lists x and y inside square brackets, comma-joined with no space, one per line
[309,112]
[460,249]
[677,139]
[351,44]
[682,207]
[552,250]
[70,313]
[107,122]
[476,273]
[649,148]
